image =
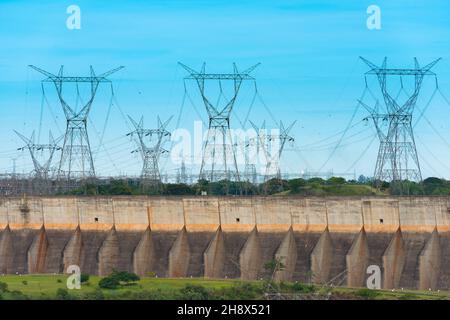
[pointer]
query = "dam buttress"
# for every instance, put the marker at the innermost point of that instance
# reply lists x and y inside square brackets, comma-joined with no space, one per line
[321,240]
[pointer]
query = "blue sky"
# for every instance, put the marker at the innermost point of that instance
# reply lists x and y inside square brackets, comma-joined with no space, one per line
[310,71]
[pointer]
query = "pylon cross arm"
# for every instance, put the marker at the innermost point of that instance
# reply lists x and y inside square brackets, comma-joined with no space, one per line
[400,72]
[220,76]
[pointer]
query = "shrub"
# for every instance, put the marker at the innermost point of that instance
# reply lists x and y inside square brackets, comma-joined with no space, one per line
[123,276]
[118,278]
[194,292]
[25,282]
[109,283]
[274,265]
[84,278]
[3,287]
[59,280]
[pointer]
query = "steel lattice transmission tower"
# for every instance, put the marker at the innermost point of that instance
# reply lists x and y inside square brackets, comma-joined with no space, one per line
[182,176]
[397,159]
[250,174]
[219,155]
[41,167]
[151,142]
[273,146]
[76,158]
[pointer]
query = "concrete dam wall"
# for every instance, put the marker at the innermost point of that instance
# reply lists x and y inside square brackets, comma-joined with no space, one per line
[323,240]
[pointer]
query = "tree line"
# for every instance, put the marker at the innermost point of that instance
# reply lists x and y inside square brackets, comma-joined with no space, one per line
[334,186]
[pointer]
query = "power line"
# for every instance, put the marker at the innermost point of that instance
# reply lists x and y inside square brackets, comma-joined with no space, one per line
[344,133]
[362,154]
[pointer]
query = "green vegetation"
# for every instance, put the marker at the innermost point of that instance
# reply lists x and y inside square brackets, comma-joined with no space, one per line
[118,279]
[367,293]
[48,287]
[84,278]
[334,186]
[109,283]
[194,292]
[274,265]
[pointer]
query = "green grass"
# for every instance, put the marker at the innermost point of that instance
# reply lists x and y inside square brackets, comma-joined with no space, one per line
[46,286]
[42,286]
[393,295]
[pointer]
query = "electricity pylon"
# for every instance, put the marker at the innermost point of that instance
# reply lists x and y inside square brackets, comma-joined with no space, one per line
[272,146]
[251,153]
[250,168]
[150,143]
[76,157]
[397,159]
[219,156]
[41,166]
[182,176]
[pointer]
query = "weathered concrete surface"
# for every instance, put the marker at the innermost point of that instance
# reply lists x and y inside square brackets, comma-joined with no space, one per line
[128,242]
[250,260]
[394,261]
[163,242]
[430,263]
[444,276]
[341,214]
[22,240]
[322,258]
[414,243]
[57,239]
[37,253]
[321,239]
[270,242]
[305,243]
[198,243]
[179,255]
[143,254]
[234,242]
[357,260]
[6,251]
[108,255]
[286,255]
[214,256]
[73,251]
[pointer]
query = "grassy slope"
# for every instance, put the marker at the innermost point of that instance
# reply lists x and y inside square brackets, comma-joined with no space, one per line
[45,286]
[336,190]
